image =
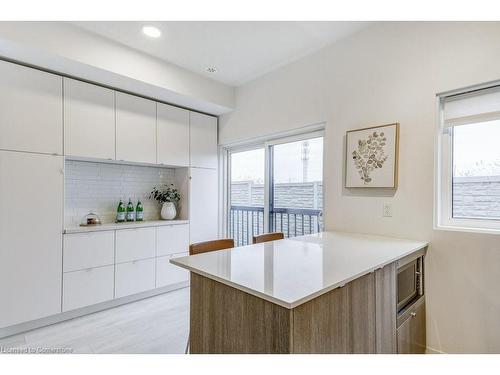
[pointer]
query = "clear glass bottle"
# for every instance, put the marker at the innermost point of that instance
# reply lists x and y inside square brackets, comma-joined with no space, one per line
[120,212]
[130,210]
[139,211]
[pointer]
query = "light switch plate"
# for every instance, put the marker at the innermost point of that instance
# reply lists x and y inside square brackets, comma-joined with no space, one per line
[387,210]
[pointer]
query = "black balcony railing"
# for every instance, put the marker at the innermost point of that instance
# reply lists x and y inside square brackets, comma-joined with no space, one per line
[247,221]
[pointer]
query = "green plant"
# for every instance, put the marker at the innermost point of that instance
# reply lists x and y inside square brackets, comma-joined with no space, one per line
[167,194]
[369,155]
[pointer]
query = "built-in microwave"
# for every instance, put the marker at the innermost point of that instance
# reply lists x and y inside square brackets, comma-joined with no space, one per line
[410,282]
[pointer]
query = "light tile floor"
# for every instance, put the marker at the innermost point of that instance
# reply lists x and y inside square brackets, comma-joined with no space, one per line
[158,324]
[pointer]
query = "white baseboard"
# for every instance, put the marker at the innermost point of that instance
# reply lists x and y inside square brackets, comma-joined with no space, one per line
[430,350]
[28,326]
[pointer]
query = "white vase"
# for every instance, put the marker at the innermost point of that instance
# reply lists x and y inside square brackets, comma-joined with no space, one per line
[168,211]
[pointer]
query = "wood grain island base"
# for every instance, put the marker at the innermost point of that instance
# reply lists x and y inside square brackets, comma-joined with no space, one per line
[325,293]
[226,320]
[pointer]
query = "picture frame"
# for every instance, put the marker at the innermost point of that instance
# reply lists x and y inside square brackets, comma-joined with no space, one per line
[372,157]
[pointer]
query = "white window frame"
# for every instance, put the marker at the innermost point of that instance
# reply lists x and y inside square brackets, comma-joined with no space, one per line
[225,151]
[443,189]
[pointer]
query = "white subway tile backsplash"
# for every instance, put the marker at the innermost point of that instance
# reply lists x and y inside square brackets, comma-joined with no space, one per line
[98,187]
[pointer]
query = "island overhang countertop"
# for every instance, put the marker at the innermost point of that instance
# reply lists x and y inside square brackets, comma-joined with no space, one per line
[293,271]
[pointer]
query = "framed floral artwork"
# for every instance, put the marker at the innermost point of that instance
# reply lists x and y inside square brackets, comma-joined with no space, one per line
[372,157]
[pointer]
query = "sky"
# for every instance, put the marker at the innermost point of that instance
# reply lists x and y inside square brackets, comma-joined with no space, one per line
[288,163]
[476,149]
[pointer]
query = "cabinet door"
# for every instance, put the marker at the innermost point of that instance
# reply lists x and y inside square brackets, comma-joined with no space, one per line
[31,113]
[134,244]
[203,205]
[203,140]
[89,120]
[134,277]
[31,197]
[87,250]
[411,333]
[173,135]
[168,273]
[135,129]
[88,287]
[172,239]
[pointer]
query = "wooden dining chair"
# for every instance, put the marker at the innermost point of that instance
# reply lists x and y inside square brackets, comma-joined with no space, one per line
[268,237]
[205,247]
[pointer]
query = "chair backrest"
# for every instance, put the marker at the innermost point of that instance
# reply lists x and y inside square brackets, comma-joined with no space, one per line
[268,237]
[205,247]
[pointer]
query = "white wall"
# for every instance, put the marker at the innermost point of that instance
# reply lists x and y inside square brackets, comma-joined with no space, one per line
[67,49]
[392,72]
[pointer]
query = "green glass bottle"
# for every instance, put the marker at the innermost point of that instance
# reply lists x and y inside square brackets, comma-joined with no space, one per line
[139,211]
[120,212]
[130,210]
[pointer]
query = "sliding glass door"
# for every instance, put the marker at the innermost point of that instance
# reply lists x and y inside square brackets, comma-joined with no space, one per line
[246,212]
[276,186]
[296,187]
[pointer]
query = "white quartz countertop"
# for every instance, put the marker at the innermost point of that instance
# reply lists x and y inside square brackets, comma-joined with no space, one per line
[126,225]
[292,271]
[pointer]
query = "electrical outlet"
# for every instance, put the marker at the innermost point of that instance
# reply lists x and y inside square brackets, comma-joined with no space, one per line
[387,210]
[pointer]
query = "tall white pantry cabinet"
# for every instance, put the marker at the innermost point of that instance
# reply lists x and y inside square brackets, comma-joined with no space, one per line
[45,118]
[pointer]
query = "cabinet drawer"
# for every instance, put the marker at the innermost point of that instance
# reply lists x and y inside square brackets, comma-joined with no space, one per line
[134,277]
[168,273]
[87,287]
[411,335]
[87,250]
[134,244]
[172,239]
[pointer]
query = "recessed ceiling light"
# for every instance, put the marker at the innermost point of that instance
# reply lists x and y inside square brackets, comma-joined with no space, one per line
[151,31]
[211,69]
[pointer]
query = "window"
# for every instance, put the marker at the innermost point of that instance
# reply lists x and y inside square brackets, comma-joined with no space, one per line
[275,185]
[468,170]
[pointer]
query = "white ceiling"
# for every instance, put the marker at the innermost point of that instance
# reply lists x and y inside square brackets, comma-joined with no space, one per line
[241,51]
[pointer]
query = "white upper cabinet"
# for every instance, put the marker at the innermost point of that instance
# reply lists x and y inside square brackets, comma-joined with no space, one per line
[31,113]
[89,120]
[173,135]
[135,129]
[203,140]
[31,197]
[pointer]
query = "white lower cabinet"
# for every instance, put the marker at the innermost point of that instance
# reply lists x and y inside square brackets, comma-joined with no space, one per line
[169,274]
[135,244]
[87,250]
[100,266]
[172,239]
[134,277]
[87,287]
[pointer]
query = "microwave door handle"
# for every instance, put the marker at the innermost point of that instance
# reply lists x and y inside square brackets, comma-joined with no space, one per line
[418,273]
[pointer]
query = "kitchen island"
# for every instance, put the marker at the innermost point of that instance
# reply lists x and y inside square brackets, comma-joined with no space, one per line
[329,292]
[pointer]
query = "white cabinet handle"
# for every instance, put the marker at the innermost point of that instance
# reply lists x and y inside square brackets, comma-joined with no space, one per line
[413,314]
